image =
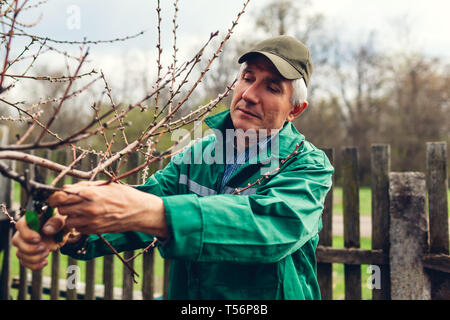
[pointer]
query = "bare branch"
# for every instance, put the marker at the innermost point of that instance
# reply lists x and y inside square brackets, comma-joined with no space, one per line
[107,117]
[5,211]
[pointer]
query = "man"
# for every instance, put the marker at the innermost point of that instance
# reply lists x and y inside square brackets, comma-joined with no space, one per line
[258,243]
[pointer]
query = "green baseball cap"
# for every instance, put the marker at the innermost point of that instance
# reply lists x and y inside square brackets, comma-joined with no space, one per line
[290,56]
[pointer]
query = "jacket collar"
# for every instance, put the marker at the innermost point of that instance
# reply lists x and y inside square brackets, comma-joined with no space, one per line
[288,135]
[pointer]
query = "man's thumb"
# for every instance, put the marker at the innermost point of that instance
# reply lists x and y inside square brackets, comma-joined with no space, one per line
[53,225]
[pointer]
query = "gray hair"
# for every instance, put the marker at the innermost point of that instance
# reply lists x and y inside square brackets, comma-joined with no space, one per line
[299,90]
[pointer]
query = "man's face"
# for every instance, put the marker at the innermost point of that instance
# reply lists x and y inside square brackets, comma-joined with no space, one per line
[261,98]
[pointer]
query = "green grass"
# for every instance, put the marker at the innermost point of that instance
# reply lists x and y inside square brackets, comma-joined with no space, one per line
[365,201]
[338,272]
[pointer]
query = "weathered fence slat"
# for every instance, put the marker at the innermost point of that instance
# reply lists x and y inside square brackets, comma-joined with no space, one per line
[350,200]
[89,293]
[380,167]
[148,278]
[88,163]
[22,292]
[439,262]
[127,287]
[23,273]
[54,283]
[325,270]
[166,279]
[437,187]
[40,175]
[148,258]
[5,276]
[108,276]
[5,226]
[108,264]
[59,156]
[36,285]
[408,236]
[160,165]
[351,256]
[72,263]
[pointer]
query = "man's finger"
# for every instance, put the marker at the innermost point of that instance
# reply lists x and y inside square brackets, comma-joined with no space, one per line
[37,258]
[53,225]
[61,198]
[35,266]
[81,209]
[26,233]
[26,247]
[74,221]
[88,183]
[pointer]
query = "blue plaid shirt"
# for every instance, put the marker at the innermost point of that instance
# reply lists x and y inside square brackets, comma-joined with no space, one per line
[234,161]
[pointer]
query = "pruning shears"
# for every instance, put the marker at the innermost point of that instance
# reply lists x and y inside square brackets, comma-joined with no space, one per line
[37,211]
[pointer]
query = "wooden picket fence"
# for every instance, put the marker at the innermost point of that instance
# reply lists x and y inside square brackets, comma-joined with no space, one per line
[409,256]
[410,249]
[33,284]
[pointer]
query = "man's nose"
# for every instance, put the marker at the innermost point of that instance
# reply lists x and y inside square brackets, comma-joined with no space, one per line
[251,93]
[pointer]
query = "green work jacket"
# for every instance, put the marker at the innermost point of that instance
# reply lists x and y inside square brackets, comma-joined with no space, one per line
[259,244]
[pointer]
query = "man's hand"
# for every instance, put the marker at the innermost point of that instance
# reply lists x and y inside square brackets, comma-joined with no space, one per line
[98,207]
[34,248]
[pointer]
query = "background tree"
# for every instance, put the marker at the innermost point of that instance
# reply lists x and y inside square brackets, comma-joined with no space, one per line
[418,109]
[360,94]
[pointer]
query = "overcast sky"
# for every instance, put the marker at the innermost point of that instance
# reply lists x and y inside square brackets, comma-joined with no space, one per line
[352,20]
[427,19]
[106,19]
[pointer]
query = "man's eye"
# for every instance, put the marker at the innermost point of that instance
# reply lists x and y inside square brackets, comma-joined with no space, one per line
[273,89]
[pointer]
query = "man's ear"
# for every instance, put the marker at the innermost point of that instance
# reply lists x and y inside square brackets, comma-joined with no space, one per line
[298,109]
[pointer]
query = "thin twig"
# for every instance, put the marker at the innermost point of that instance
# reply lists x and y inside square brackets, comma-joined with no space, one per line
[158,61]
[8,44]
[58,108]
[27,47]
[63,173]
[151,245]
[52,79]
[175,27]
[5,211]
[84,42]
[113,105]
[238,191]
[134,273]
